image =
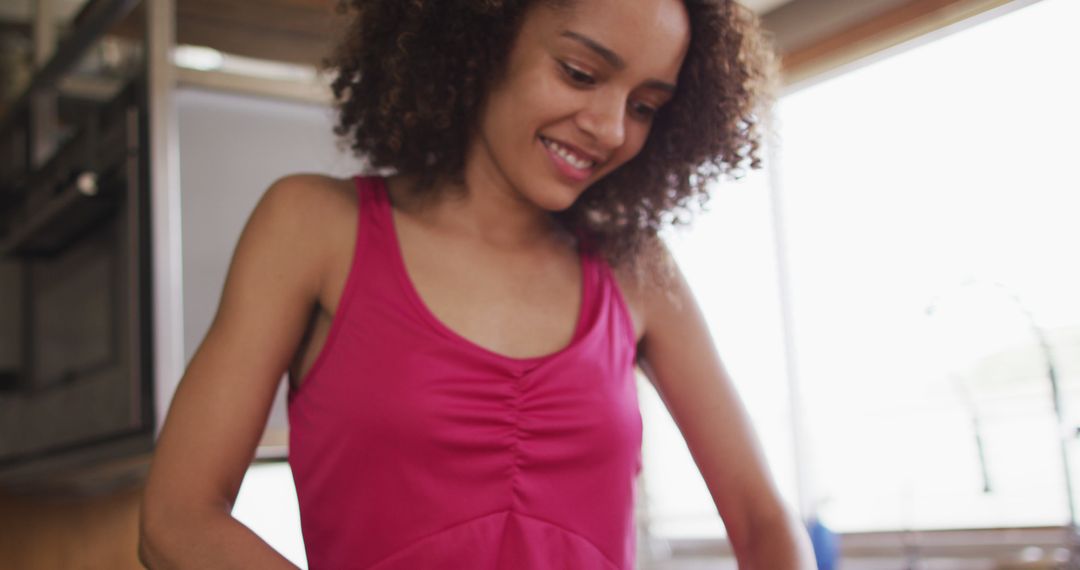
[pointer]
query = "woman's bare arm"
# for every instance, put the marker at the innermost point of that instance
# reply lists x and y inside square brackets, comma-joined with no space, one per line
[680,358]
[222,402]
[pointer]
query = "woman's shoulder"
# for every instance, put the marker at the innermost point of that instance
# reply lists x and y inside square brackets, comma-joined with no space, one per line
[317,202]
[319,210]
[315,192]
[650,284]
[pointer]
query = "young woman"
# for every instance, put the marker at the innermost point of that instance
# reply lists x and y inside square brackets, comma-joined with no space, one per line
[461,333]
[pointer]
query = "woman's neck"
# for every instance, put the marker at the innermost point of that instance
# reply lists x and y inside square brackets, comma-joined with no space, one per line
[493,216]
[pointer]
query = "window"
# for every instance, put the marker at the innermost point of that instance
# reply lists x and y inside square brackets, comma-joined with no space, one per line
[729,258]
[929,209]
[931,204]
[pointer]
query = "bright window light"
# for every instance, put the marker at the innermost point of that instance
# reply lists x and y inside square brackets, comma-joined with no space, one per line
[198,57]
[201,58]
[930,221]
[931,206]
[267,504]
[729,258]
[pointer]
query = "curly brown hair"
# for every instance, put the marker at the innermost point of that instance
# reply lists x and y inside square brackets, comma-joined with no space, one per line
[410,77]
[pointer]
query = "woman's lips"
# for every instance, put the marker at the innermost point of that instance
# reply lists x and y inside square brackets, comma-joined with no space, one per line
[562,165]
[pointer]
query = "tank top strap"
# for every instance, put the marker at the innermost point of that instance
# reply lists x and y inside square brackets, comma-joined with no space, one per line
[371,193]
[376,222]
[591,277]
[615,297]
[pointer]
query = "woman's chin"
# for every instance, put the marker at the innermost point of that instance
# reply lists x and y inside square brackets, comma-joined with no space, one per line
[558,199]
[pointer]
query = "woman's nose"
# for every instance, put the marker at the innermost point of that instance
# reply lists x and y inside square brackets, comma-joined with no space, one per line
[604,119]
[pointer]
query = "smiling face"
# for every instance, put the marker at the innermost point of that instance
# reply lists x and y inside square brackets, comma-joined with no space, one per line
[578,96]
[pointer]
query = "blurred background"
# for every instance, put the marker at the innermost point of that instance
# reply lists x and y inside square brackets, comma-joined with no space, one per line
[895,293]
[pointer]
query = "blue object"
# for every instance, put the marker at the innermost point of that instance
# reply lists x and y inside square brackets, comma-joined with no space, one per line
[826,545]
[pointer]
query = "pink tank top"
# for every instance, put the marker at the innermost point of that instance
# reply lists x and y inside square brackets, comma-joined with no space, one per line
[412,447]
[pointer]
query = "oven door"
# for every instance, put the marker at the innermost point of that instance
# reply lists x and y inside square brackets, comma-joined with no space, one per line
[74,302]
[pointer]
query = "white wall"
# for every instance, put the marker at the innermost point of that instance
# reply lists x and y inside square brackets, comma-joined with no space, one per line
[232,147]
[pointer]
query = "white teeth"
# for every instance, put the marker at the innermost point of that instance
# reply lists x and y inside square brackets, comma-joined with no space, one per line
[569,157]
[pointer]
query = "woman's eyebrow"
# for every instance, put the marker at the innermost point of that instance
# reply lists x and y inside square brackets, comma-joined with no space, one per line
[610,56]
[613,58]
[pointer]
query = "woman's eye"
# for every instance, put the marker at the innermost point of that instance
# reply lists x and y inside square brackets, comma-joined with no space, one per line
[643,111]
[576,75]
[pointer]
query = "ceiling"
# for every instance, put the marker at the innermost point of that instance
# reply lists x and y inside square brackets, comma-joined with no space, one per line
[23,10]
[292,31]
[210,21]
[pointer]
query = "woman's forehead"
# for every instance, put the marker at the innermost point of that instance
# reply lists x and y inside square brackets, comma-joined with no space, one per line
[649,34]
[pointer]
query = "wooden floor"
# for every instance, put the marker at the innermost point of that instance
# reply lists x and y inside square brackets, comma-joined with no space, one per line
[46,533]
